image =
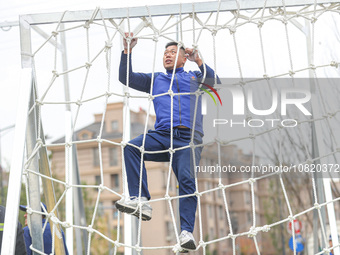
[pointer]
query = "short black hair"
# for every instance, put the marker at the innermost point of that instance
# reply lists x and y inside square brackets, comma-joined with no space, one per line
[173,43]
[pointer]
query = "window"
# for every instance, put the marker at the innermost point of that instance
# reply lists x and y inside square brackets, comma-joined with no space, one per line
[258,218]
[212,233]
[115,182]
[85,136]
[210,211]
[249,217]
[208,185]
[220,193]
[169,229]
[247,197]
[114,125]
[97,180]
[234,221]
[222,212]
[166,206]
[95,156]
[113,152]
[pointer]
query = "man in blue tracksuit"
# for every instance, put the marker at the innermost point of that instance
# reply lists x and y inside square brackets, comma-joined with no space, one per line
[47,235]
[160,138]
[20,248]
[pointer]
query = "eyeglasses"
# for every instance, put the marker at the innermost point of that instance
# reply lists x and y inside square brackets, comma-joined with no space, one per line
[171,52]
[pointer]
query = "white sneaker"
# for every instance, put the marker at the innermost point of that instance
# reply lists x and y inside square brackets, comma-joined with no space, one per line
[132,207]
[187,240]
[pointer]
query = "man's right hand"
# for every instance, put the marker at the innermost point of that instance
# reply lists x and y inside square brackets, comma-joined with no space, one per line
[132,43]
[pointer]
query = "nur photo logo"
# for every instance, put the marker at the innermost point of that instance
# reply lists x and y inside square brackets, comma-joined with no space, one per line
[255,106]
[208,92]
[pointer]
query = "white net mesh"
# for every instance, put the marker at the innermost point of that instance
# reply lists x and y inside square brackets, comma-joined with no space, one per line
[264,43]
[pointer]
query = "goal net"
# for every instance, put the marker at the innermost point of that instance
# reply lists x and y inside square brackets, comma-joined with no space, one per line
[267,181]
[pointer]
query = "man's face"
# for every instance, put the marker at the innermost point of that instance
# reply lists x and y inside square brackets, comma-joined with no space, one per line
[169,58]
[25,219]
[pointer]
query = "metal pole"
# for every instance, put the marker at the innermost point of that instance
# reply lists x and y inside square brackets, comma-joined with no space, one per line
[35,220]
[162,10]
[321,197]
[13,195]
[79,209]
[320,148]
[283,242]
[323,180]
[25,43]
[316,128]
[65,67]
[315,148]
[69,179]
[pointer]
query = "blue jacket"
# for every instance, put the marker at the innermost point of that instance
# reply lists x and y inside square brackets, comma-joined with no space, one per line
[47,236]
[183,105]
[20,248]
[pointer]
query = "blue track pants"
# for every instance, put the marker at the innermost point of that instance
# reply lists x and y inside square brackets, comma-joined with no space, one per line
[182,165]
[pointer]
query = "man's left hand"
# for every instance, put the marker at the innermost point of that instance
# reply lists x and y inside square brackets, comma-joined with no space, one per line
[193,55]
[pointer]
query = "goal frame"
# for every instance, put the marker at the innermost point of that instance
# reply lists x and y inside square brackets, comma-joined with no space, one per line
[27,23]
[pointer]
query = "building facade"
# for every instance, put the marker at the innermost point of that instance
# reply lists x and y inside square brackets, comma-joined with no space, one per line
[160,231]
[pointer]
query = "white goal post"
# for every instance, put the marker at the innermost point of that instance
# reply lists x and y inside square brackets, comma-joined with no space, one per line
[28,125]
